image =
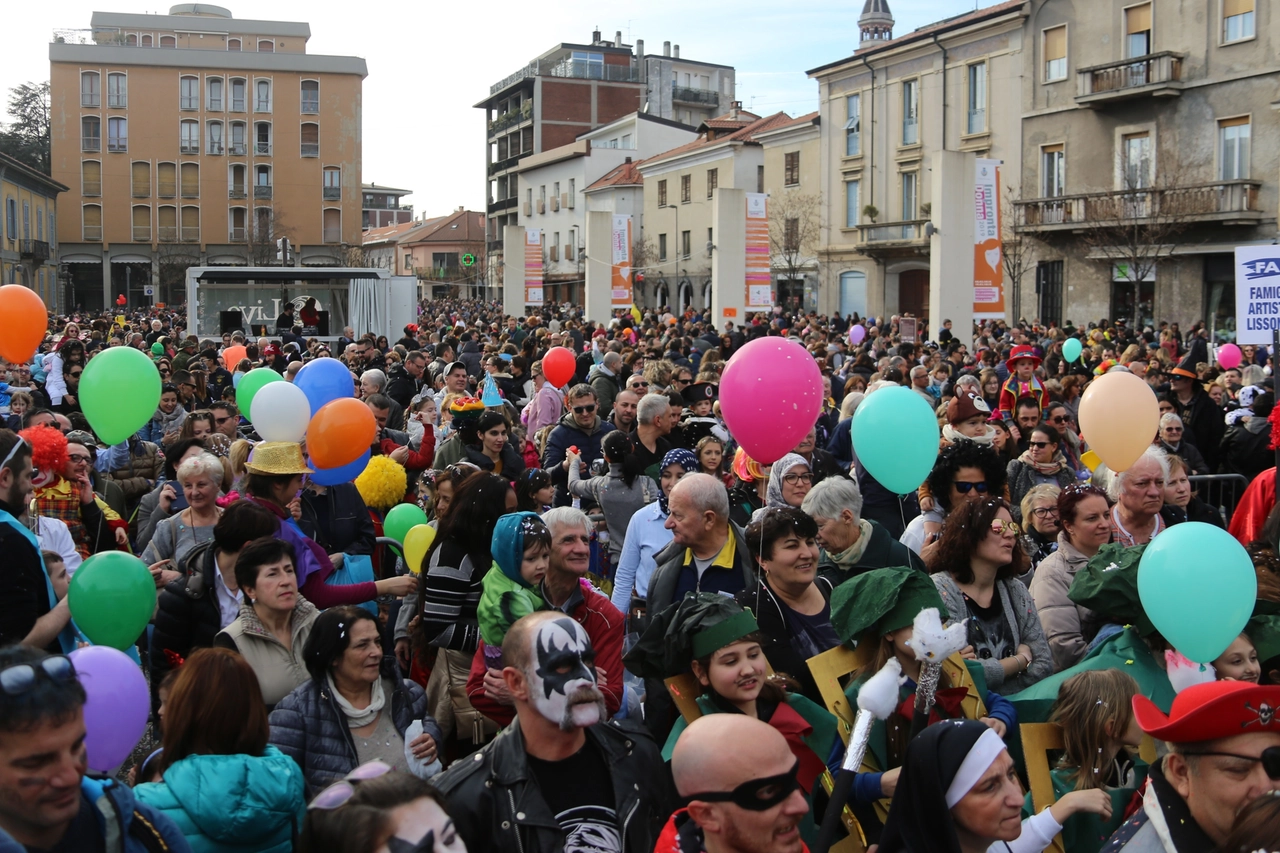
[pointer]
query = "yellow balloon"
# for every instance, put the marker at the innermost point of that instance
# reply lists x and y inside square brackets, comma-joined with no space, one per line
[1119,417]
[417,542]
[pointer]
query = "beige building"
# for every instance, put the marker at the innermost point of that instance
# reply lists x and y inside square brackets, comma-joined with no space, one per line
[793,181]
[195,138]
[28,243]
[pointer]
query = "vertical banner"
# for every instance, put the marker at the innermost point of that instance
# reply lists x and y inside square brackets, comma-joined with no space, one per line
[533,267]
[759,275]
[988,271]
[1257,294]
[620,248]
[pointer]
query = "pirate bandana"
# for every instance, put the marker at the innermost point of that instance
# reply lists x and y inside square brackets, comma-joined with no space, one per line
[563,681]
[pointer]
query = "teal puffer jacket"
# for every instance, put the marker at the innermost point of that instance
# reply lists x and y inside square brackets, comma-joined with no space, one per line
[225,803]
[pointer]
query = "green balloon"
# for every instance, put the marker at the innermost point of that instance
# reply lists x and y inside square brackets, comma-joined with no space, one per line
[401,519]
[112,597]
[119,392]
[251,384]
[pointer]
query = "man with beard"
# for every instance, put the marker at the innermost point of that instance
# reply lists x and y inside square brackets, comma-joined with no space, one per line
[739,777]
[559,778]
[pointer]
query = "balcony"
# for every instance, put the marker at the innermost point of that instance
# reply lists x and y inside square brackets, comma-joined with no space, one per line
[37,250]
[262,148]
[236,192]
[260,191]
[310,149]
[503,165]
[237,149]
[189,148]
[236,235]
[262,105]
[332,193]
[512,118]
[191,191]
[168,233]
[93,233]
[311,104]
[1223,203]
[91,143]
[568,68]
[214,147]
[118,144]
[502,204]
[333,235]
[690,95]
[237,105]
[893,239]
[190,234]
[1155,75]
[442,273]
[142,233]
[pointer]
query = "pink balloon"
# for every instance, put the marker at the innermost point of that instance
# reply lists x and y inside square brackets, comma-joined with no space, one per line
[857,334]
[770,396]
[1229,356]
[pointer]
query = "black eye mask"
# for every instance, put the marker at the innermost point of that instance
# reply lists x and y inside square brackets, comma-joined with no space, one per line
[756,795]
[572,655]
[425,845]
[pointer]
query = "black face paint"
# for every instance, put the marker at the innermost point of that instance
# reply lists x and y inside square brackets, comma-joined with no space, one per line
[757,795]
[564,678]
[426,844]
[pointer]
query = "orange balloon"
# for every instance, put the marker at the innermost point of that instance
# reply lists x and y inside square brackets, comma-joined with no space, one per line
[231,356]
[340,433]
[1119,417]
[23,321]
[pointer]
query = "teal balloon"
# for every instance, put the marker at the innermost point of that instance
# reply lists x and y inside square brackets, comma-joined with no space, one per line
[401,519]
[1071,349]
[112,597]
[119,392]
[251,384]
[895,435]
[1198,587]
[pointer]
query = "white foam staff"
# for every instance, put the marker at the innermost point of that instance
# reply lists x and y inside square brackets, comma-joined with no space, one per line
[932,644]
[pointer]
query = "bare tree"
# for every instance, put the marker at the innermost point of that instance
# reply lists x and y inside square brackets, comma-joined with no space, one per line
[1015,251]
[261,235]
[172,260]
[795,230]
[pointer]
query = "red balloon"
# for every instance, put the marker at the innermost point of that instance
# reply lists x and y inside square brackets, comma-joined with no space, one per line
[340,433]
[23,320]
[120,300]
[559,365]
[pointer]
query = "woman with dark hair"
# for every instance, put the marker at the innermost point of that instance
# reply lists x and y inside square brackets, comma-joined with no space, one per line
[1042,463]
[964,472]
[376,809]
[975,567]
[620,494]
[223,785]
[1002,442]
[487,446]
[198,424]
[309,316]
[168,417]
[355,707]
[57,364]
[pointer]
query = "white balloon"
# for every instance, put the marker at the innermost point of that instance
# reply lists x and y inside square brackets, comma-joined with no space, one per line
[281,412]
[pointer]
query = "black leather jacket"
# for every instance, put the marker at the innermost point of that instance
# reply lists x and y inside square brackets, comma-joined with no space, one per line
[496,805]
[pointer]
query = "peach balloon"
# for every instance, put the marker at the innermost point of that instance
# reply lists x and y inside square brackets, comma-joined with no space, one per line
[1119,417]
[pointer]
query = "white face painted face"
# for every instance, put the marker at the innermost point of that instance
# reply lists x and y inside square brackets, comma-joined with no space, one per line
[562,679]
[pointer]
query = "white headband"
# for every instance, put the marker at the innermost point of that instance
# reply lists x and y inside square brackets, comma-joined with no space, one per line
[981,756]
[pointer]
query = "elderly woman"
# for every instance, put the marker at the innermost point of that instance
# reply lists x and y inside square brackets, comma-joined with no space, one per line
[850,543]
[354,707]
[790,479]
[1178,492]
[274,621]
[620,494]
[1039,524]
[1138,494]
[200,478]
[647,534]
[975,569]
[1084,514]
[1172,442]
[166,497]
[1042,463]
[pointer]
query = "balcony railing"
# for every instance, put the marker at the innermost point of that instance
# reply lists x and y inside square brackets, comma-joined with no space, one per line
[166,189]
[190,234]
[1222,201]
[260,191]
[93,233]
[512,117]
[311,105]
[262,148]
[36,249]
[189,148]
[118,144]
[236,235]
[691,95]
[91,143]
[118,101]
[442,273]
[142,233]
[333,235]
[502,204]
[310,149]
[1153,74]
[262,105]
[501,165]
[332,193]
[168,233]
[237,149]
[236,192]
[893,238]
[237,105]
[214,147]
[568,68]
[90,99]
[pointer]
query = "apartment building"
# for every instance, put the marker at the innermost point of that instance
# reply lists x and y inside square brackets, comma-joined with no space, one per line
[886,111]
[1146,123]
[28,243]
[197,138]
[446,253]
[793,180]
[382,206]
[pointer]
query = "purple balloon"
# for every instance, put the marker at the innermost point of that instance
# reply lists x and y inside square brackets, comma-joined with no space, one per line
[857,334]
[116,705]
[341,474]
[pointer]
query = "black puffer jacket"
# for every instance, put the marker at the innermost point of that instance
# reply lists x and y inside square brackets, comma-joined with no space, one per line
[188,617]
[338,520]
[308,726]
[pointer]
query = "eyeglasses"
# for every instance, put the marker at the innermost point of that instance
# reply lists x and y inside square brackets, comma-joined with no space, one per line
[999,526]
[21,677]
[1045,512]
[583,410]
[80,458]
[795,479]
[964,487]
[1270,759]
[1173,429]
[337,794]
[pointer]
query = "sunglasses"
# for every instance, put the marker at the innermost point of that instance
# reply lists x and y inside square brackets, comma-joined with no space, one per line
[339,793]
[1000,526]
[75,373]
[964,488]
[758,795]
[1060,419]
[583,410]
[21,677]
[1270,759]
[1038,445]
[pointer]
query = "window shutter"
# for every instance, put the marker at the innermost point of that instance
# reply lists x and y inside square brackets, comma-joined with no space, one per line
[1231,8]
[1055,43]
[1137,19]
[141,179]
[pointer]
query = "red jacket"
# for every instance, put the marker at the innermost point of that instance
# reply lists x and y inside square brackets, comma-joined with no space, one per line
[681,836]
[1013,389]
[604,625]
[420,459]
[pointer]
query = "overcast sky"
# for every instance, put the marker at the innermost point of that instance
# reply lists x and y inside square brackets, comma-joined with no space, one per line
[427,67]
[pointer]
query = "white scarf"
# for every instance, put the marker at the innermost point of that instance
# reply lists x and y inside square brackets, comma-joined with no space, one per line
[986,439]
[357,718]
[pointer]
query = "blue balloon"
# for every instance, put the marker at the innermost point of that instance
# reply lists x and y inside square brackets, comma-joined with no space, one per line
[341,474]
[1071,348]
[323,381]
[1198,587]
[895,435]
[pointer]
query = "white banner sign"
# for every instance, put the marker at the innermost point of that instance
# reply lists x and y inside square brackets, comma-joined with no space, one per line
[1257,293]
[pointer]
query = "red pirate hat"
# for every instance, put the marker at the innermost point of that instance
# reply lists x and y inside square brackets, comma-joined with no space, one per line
[1022,351]
[1210,711]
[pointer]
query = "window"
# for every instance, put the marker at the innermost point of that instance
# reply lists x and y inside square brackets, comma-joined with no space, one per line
[262,96]
[189,136]
[263,227]
[626,140]
[909,195]
[791,235]
[147,41]
[662,247]
[168,41]
[310,139]
[91,222]
[686,189]
[791,169]
[117,91]
[39,223]
[1233,145]
[190,180]
[233,44]
[117,134]
[760,179]
[1237,19]
[91,178]
[662,193]
[262,182]
[853,293]
[332,183]
[977,115]
[408,261]
[1137,161]
[910,112]
[1052,171]
[587,65]
[140,179]
[237,95]
[235,181]
[189,93]
[237,226]
[713,181]
[238,147]
[11,218]
[190,224]
[90,133]
[262,137]
[684,244]
[266,46]
[53,233]
[1055,54]
[166,180]
[555,246]
[167,224]
[852,208]
[311,96]
[213,138]
[214,88]
[26,220]
[852,125]
[1137,30]
[141,224]
[90,89]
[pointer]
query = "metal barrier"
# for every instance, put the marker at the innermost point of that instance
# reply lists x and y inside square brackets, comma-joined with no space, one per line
[1220,491]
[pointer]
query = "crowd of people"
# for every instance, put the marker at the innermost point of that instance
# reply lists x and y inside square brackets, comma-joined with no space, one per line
[626,633]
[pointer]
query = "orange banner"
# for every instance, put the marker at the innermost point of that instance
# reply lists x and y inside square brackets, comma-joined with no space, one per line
[620,245]
[533,267]
[988,269]
[759,274]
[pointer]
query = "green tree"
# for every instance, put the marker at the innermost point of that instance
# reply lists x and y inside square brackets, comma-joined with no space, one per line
[26,137]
